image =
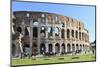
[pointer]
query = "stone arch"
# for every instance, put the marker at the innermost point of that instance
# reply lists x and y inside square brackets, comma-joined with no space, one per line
[73,47]
[43,31]
[35,22]
[50,48]
[76,34]
[35,32]
[72,32]
[80,46]
[26,48]
[68,47]
[13,49]
[83,47]
[42,48]
[62,33]
[19,29]
[26,31]
[80,35]
[57,30]
[77,47]
[68,33]
[50,31]
[34,49]
[57,48]
[63,48]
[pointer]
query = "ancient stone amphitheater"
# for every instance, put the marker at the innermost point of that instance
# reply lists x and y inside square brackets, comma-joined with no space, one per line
[42,32]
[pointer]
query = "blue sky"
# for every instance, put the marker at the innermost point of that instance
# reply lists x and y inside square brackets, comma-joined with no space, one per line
[86,14]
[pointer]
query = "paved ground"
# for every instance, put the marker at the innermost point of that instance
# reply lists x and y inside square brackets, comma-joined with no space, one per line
[54,59]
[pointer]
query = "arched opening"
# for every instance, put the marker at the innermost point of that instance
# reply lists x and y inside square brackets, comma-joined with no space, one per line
[35,32]
[50,48]
[34,49]
[26,48]
[77,47]
[57,48]
[72,33]
[83,47]
[68,33]
[73,47]
[26,31]
[80,35]
[19,29]
[35,22]
[63,48]
[50,31]
[42,31]
[13,49]
[63,24]
[76,34]
[42,48]
[57,32]
[68,48]
[62,33]
[80,46]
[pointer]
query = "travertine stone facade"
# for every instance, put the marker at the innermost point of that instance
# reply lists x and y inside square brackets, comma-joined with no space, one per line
[48,32]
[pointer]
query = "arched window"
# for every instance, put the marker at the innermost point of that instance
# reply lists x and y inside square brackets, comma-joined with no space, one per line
[50,31]
[57,31]
[19,29]
[63,48]
[26,31]
[35,22]
[80,35]
[76,34]
[42,31]
[63,24]
[34,49]
[73,47]
[57,48]
[42,48]
[68,33]
[80,46]
[62,33]
[35,32]
[68,48]
[77,47]
[50,48]
[72,33]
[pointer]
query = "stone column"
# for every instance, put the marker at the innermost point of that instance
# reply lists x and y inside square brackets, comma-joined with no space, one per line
[60,33]
[60,47]
[46,45]
[79,46]
[46,32]
[31,34]
[70,36]
[23,27]
[53,32]
[38,40]
[65,31]
[75,46]
[53,47]
[71,46]
[65,47]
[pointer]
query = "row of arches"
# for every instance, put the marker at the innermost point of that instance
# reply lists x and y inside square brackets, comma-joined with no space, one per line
[81,35]
[74,34]
[60,48]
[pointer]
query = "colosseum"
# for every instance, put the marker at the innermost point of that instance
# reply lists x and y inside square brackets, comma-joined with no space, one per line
[42,32]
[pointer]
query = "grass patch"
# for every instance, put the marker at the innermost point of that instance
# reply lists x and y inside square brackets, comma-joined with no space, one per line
[54,59]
